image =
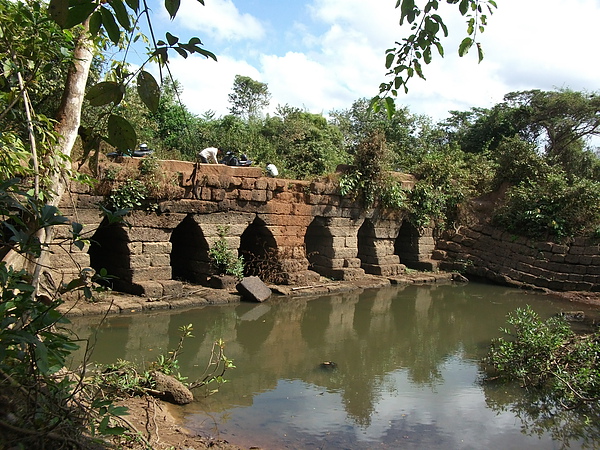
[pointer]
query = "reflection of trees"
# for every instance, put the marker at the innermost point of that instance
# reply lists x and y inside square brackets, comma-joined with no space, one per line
[540,413]
[371,336]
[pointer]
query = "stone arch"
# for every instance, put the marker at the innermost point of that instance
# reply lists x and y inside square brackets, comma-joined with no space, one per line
[189,252]
[366,245]
[318,241]
[259,249]
[406,245]
[110,249]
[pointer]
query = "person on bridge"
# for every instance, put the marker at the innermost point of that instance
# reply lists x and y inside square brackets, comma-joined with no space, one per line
[272,170]
[209,155]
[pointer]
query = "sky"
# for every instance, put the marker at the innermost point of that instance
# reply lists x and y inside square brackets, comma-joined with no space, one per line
[322,55]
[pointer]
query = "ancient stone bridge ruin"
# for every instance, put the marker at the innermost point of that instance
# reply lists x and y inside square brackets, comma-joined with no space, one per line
[289,231]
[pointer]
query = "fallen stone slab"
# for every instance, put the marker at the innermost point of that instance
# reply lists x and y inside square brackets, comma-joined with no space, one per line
[253,289]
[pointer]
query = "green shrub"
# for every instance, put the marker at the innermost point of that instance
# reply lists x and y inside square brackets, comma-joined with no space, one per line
[518,161]
[222,257]
[130,195]
[548,355]
[552,206]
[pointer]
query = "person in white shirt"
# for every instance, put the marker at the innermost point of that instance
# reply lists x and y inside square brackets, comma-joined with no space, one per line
[272,170]
[209,155]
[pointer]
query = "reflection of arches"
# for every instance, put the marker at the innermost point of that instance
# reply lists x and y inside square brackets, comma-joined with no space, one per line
[109,250]
[319,245]
[259,249]
[189,252]
[315,322]
[250,335]
[366,244]
[406,245]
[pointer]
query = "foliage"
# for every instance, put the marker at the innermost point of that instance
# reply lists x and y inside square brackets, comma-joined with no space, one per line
[446,179]
[519,161]
[222,257]
[168,364]
[405,60]
[558,123]
[248,97]
[124,378]
[46,405]
[553,205]
[549,356]
[130,195]
[365,179]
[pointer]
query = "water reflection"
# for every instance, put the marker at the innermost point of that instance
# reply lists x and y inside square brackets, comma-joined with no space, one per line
[407,367]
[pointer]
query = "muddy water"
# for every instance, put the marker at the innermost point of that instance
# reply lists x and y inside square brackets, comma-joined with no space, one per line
[407,370]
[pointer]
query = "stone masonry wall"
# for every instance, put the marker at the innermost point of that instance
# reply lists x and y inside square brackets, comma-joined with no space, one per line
[209,196]
[502,257]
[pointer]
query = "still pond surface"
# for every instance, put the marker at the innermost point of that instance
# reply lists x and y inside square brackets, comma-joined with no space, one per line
[407,373]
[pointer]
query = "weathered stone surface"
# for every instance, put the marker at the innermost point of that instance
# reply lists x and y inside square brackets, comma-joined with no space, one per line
[253,288]
[227,282]
[171,390]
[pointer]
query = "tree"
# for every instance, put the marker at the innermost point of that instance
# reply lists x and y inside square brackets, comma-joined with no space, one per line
[248,97]
[560,123]
[86,24]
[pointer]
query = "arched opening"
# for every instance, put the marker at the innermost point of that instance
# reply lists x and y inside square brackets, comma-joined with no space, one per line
[109,250]
[406,245]
[367,252]
[319,246]
[189,253]
[259,250]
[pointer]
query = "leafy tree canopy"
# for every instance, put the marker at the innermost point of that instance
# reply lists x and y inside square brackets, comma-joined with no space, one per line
[248,97]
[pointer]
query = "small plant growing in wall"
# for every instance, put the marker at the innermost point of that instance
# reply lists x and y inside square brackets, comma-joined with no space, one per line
[130,195]
[222,257]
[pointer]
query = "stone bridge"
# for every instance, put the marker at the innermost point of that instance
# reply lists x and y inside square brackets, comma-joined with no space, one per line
[289,231]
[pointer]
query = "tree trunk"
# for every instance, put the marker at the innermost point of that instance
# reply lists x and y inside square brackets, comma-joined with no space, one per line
[69,119]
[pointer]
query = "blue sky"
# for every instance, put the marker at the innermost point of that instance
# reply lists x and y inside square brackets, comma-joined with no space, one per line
[324,54]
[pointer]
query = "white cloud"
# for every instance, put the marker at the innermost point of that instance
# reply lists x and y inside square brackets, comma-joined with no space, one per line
[339,56]
[207,83]
[219,20]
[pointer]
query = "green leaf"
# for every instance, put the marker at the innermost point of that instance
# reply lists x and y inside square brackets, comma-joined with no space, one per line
[59,11]
[148,90]
[390,107]
[104,92]
[79,13]
[172,7]
[389,60]
[463,7]
[121,133]
[181,51]
[162,55]
[194,41]
[172,40]
[95,23]
[407,10]
[133,4]
[110,25]
[206,53]
[427,55]
[470,26]
[465,45]
[121,13]
[480,52]
[41,356]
